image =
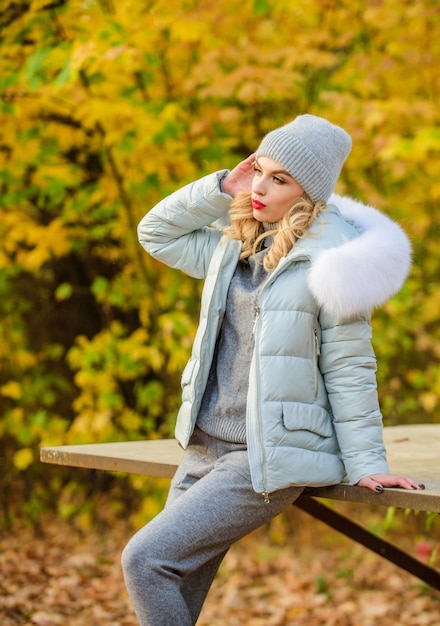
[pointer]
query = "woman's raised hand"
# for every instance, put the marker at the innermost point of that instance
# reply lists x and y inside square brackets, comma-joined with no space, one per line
[240,178]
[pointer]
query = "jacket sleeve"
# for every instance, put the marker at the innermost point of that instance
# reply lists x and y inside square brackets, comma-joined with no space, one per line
[348,364]
[176,231]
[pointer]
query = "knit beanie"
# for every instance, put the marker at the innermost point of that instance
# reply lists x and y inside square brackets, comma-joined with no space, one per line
[312,150]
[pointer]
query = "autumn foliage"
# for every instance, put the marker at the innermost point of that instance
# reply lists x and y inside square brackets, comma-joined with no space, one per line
[108,106]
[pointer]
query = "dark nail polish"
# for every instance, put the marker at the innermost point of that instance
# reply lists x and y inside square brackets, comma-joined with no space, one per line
[422,486]
[379,489]
[414,487]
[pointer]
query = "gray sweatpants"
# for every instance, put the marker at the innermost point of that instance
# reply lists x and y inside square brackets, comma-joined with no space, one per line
[169,565]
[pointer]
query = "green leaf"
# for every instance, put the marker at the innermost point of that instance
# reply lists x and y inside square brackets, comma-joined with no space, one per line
[63,292]
[65,75]
[261,7]
[34,67]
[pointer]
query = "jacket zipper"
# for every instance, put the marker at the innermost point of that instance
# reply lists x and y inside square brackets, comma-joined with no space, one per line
[209,315]
[317,355]
[264,493]
[256,318]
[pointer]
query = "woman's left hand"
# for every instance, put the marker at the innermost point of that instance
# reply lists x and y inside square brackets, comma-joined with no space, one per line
[377,482]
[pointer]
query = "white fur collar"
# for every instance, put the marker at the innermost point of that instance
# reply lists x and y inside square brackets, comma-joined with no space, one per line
[365,271]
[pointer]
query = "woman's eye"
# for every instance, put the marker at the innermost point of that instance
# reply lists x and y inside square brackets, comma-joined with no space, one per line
[279,180]
[257,170]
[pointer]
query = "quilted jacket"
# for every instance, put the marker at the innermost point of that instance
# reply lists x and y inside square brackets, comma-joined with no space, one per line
[313,416]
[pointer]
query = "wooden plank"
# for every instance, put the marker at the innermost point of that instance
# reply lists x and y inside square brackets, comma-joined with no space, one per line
[412,450]
[427,500]
[158,457]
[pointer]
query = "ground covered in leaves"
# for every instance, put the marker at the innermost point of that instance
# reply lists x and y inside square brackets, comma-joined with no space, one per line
[295,572]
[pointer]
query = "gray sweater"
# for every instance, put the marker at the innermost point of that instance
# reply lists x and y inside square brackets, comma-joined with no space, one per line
[223,410]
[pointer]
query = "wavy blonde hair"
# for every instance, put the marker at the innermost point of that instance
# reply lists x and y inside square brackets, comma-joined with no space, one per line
[286,232]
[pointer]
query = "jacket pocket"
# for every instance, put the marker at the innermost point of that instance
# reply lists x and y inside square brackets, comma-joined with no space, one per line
[188,373]
[307,417]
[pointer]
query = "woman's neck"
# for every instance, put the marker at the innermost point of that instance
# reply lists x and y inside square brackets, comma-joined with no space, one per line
[270,226]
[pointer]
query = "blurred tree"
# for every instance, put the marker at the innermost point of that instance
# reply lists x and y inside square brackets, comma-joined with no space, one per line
[107,107]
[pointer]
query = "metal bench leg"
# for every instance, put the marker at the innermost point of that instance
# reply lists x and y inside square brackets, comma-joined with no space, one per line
[364,537]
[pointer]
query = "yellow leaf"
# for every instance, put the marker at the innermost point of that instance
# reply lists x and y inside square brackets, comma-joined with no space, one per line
[429,401]
[12,389]
[189,30]
[23,458]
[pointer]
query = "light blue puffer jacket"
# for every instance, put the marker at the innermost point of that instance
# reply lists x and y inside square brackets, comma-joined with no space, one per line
[313,416]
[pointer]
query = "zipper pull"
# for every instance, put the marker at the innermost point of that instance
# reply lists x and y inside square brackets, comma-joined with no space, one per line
[257,317]
[266,497]
[317,348]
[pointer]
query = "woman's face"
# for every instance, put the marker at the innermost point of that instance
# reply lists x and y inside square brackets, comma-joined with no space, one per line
[274,191]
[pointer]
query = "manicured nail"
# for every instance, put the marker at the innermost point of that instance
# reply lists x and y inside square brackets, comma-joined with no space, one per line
[379,489]
[422,486]
[414,487]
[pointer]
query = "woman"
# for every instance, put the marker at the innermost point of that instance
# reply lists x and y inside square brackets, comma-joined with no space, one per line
[280,390]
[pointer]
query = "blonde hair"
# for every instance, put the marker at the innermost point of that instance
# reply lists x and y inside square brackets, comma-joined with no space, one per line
[286,232]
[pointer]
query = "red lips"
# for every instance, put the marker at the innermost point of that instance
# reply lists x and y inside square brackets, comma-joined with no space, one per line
[256,204]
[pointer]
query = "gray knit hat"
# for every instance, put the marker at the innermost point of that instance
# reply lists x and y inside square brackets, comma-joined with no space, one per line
[312,150]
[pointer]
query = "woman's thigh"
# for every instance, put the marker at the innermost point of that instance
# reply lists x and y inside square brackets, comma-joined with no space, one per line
[211,505]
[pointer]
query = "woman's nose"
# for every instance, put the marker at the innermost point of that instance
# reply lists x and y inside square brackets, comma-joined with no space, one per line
[258,186]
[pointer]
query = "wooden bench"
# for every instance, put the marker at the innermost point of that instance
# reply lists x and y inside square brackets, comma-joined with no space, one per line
[412,451]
